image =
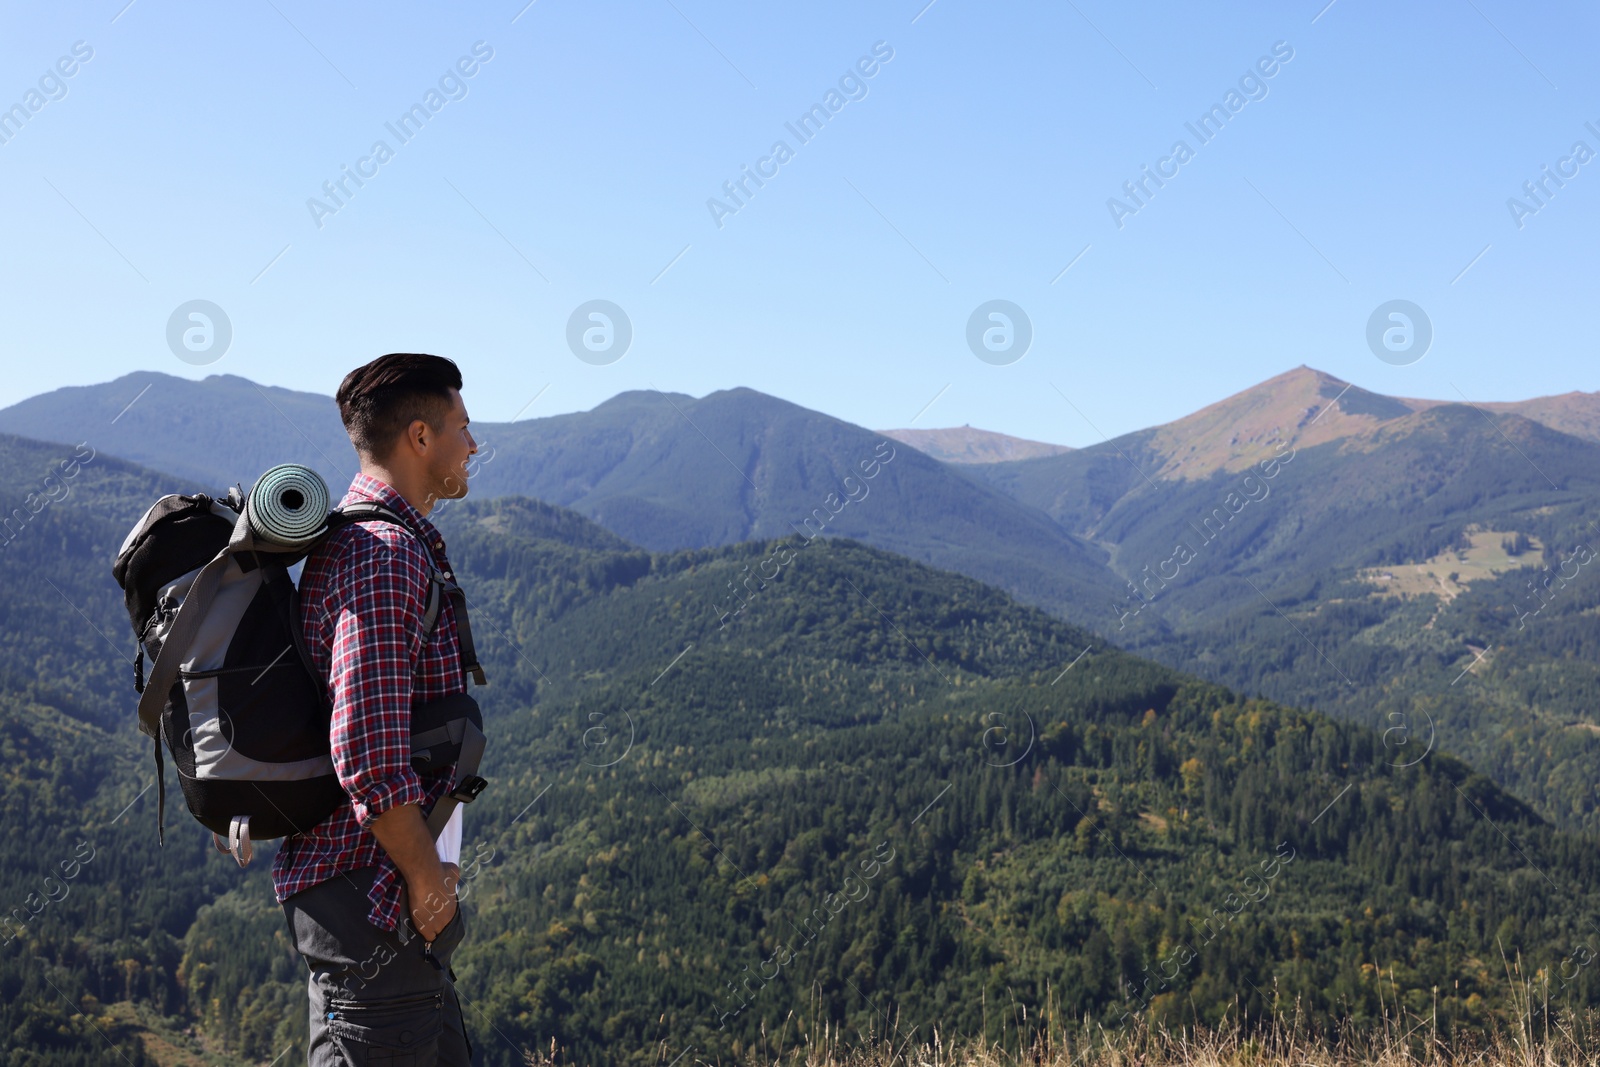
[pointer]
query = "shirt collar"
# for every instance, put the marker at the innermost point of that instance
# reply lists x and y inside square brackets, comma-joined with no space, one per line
[366,487]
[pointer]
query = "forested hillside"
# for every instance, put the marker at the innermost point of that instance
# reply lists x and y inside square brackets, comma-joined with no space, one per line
[854,786]
[1343,576]
[92,913]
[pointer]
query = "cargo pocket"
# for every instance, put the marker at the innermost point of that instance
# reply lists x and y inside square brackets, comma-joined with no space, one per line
[452,935]
[393,1032]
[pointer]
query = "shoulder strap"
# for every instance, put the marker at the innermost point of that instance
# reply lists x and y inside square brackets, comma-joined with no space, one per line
[430,616]
[365,511]
[469,651]
[438,585]
[373,511]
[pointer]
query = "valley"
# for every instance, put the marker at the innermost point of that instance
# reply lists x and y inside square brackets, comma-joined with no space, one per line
[1280,770]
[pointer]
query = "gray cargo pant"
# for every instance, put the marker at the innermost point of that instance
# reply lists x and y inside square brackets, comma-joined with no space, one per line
[376,998]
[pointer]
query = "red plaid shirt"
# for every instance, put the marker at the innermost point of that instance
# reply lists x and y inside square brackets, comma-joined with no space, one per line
[363,595]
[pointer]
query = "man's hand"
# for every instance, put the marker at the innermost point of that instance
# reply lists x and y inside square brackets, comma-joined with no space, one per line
[430,884]
[433,905]
[438,905]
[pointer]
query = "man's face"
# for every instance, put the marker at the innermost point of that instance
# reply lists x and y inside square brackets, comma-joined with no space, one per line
[452,449]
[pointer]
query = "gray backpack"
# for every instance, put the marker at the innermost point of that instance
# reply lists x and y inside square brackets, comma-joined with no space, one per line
[232,693]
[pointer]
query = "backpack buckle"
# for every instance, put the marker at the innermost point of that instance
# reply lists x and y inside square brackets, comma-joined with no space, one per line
[467,790]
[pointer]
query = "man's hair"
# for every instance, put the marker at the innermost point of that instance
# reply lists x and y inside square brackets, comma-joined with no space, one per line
[378,401]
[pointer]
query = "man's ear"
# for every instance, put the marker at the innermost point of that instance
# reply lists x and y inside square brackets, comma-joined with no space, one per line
[419,435]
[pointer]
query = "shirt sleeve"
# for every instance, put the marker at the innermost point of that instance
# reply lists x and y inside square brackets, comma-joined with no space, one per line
[377,637]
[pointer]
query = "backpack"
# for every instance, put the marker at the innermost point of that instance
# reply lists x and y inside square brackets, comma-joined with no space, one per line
[232,692]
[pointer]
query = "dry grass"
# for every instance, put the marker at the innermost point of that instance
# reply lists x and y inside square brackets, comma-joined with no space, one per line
[1277,1045]
[1448,574]
[1532,1038]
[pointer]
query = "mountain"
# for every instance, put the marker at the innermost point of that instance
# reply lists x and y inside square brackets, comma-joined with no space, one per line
[1303,407]
[669,471]
[210,433]
[1332,548]
[875,790]
[1306,407]
[963,444]
[1572,413]
[1273,593]
[661,470]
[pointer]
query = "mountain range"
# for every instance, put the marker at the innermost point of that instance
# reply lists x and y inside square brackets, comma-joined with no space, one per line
[1174,541]
[662,470]
[878,794]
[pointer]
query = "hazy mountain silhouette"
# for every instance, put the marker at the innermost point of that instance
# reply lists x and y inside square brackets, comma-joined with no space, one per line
[664,471]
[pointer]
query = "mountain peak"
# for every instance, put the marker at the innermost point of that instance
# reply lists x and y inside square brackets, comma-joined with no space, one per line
[1305,406]
[1302,406]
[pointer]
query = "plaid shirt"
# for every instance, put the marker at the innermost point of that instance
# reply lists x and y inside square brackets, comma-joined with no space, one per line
[363,594]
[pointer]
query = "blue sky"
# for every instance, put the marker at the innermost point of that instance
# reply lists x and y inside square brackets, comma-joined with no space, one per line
[577,163]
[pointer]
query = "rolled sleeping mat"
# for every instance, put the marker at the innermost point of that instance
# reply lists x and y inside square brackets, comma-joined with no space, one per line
[288,506]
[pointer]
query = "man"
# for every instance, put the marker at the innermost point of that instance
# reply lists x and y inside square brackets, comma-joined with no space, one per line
[368,895]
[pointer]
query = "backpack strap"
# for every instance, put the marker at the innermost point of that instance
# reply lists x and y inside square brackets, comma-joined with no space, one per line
[469,651]
[468,784]
[448,730]
[430,616]
[176,641]
[438,585]
[366,511]
[175,645]
[161,796]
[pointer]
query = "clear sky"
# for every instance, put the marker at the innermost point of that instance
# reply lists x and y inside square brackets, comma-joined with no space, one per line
[576,163]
